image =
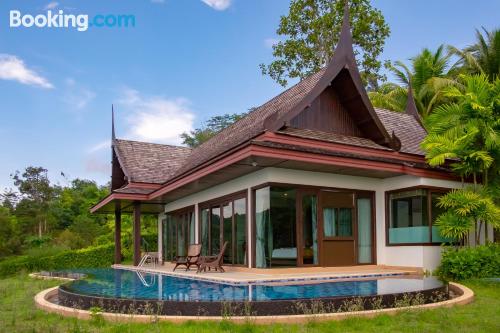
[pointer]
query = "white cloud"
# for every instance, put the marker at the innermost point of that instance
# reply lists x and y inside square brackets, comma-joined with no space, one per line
[77,96]
[95,164]
[270,42]
[51,5]
[14,68]
[106,144]
[218,4]
[156,118]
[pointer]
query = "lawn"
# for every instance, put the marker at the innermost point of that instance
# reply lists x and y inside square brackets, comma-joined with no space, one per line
[18,314]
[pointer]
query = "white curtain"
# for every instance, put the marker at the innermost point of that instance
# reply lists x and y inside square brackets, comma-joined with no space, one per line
[329,222]
[262,198]
[364,231]
[314,222]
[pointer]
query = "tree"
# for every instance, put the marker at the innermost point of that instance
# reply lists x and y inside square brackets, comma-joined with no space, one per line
[483,57]
[35,186]
[466,134]
[389,96]
[428,75]
[312,29]
[9,233]
[212,126]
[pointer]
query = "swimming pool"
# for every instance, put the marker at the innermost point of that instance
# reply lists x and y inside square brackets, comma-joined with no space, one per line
[119,289]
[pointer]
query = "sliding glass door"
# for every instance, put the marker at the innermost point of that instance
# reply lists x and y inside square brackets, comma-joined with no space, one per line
[225,221]
[178,233]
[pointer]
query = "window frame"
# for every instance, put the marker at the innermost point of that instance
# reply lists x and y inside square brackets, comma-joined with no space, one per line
[429,190]
[218,203]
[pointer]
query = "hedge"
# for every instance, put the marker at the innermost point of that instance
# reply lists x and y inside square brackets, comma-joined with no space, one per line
[94,256]
[470,262]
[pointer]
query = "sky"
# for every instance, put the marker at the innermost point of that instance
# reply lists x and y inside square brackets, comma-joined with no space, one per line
[183,62]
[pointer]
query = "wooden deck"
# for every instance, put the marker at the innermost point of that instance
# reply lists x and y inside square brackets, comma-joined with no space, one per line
[254,275]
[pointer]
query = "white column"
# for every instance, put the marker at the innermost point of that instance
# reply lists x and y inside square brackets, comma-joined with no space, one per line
[197,223]
[249,228]
[160,237]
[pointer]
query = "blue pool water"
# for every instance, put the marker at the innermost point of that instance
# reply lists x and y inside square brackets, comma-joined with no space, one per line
[118,283]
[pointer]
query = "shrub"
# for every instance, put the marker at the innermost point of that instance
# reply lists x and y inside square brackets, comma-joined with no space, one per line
[94,256]
[471,262]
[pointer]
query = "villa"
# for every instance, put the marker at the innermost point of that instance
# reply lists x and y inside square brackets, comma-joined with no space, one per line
[314,177]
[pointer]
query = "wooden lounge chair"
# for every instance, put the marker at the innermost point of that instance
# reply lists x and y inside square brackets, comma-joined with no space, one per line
[214,262]
[192,258]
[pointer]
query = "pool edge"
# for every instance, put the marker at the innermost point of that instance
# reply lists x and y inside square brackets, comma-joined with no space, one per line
[466,296]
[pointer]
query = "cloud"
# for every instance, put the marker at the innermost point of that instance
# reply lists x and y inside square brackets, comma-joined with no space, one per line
[76,96]
[270,42]
[96,164]
[106,144]
[156,118]
[218,4]
[51,5]
[13,68]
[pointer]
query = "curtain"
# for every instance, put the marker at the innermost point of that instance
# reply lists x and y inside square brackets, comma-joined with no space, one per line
[192,239]
[364,231]
[345,222]
[314,213]
[262,198]
[329,222]
[204,231]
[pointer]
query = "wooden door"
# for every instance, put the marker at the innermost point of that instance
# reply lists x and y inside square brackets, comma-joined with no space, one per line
[337,229]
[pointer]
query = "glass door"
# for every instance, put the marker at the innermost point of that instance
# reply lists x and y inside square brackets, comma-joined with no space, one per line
[307,224]
[338,241]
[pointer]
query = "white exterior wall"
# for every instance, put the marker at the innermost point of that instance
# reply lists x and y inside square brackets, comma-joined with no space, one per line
[426,257]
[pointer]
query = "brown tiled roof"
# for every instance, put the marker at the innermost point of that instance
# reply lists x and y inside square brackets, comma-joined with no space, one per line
[149,162]
[407,129]
[251,125]
[331,137]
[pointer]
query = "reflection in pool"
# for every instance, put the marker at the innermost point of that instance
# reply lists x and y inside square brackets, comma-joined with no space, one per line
[116,283]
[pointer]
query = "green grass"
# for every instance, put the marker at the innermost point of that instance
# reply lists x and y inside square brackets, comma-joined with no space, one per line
[18,314]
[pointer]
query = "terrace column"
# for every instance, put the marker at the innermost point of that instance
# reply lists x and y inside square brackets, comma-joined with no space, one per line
[137,232]
[118,233]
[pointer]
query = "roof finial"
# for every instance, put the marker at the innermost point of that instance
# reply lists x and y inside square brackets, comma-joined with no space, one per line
[345,32]
[411,107]
[113,136]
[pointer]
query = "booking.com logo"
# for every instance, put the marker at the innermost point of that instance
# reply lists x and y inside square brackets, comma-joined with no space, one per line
[80,22]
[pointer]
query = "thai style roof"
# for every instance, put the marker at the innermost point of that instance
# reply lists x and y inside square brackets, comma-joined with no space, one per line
[145,162]
[390,133]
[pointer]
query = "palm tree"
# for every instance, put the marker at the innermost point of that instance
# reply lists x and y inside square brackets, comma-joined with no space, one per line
[468,129]
[483,57]
[389,96]
[466,133]
[428,75]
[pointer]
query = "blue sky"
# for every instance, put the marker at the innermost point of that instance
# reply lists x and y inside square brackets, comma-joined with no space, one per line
[184,61]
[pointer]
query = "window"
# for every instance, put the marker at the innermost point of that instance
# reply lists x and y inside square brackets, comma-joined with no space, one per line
[411,215]
[337,222]
[275,227]
[225,221]
[178,233]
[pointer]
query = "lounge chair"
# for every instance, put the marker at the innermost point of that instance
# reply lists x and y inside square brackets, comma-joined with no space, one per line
[192,258]
[214,262]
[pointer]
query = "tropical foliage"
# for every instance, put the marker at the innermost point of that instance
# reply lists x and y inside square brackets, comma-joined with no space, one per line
[211,127]
[466,135]
[483,57]
[41,219]
[428,73]
[310,31]
[466,263]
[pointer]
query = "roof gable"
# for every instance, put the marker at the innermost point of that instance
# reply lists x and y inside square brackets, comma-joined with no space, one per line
[343,76]
[144,162]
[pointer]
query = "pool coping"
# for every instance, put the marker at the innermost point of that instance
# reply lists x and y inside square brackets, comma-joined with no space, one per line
[327,276]
[465,296]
